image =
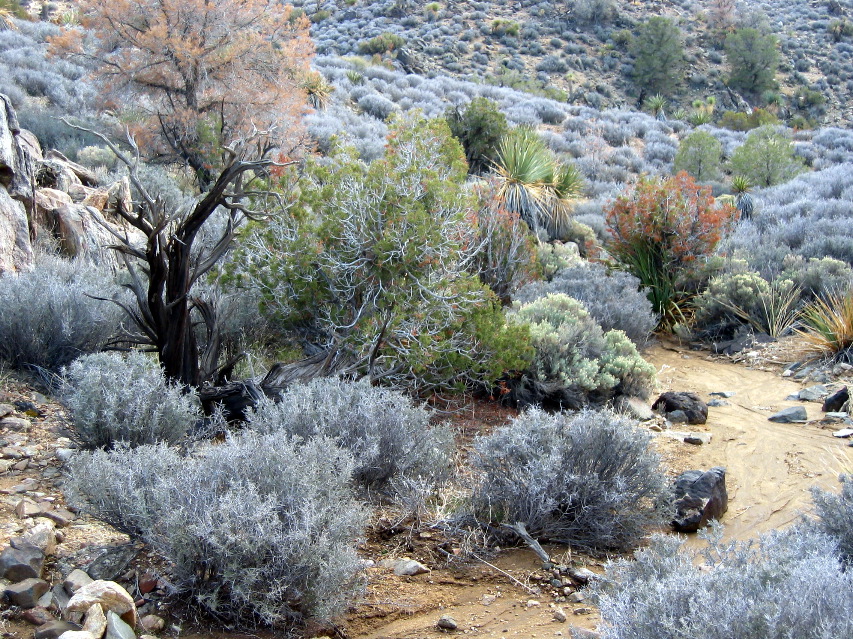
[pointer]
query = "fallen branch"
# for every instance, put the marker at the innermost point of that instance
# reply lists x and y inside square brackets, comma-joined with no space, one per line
[520,530]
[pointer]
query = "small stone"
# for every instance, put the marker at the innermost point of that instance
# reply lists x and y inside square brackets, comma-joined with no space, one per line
[28,508]
[152,623]
[532,603]
[22,465]
[791,415]
[75,580]
[26,593]
[556,583]
[17,424]
[148,582]
[841,368]
[717,403]
[843,433]
[42,536]
[95,621]
[446,622]
[60,599]
[25,562]
[111,596]
[37,616]
[55,629]
[64,454]
[409,567]
[576,597]
[583,611]
[117,628]
[813,393]
[723,394]
[6,464]
[6,409]
[77,634]
[697,439]
[46,600]
[581,575]
[488,600]
[60,516]
[677,417]
[560,615]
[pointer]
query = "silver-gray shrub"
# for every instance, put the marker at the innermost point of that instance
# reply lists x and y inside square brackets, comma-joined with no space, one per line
[835,514]
[787,585]
[260,527]
[589,479]
[125,398]
[390,437]
[47,317]
[613,298]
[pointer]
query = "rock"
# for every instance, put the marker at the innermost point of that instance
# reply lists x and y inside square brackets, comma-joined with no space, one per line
[17,424]
[112,562]
[691,404]
[25,562]
[581,633]
[813,393]
[792,415]
[446,622]
[46,600]
[699,497]
[715,403]
[64,454]
[26,593]
[75,580]
[560,615]
[55,629]
[697,439]
[723,394]
[843,433]
[117,628]
[95,621]
[583,611]
[634,407]
[47,202]
[409,567]
[576,597]
[677,417]
[37,616]
[111,596]
[6,410]
[60,516]
[836,401]
[77,634]
[533,603]
[581,575]
[42,536]
[16,252]
[152,623]
[60,599]
[842,368]
[148,582]
[28,508]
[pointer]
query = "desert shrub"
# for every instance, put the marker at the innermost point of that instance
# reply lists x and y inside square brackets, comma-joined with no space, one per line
[827,325]
[47,317]
[376,106]
[766,157]
[575,361]
[754,58]
[125,399]
[788,584]
[260,527]
[817,276]
[612,298]
[659,56]
[388,435]
[479,128]
[594,11]
[589,480]
[372,263]
[661,230]
[700,154]
[835,515]
[383,43]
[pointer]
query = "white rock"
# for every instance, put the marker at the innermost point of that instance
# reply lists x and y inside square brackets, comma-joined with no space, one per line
[111,596]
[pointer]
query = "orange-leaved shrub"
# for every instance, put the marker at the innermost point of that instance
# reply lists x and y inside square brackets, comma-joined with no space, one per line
[660,231]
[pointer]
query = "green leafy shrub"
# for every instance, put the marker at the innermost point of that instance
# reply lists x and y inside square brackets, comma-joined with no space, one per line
[817,277]
[701,155]
[575,361]
[390,437]
[658,56]
[589,480]
[754,58]
[740,121]
[505,27]
[827,325]
[48,317]
[383,43]
[372,264]
[258,528]
[766,157]
[480,128]
[125,399]
[661,231]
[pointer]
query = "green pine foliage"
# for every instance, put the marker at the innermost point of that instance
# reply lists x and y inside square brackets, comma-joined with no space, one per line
[658,56]
[479,128]
[754,58]
[701,155]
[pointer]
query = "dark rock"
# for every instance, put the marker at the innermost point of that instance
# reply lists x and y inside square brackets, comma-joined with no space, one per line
[37,616]
[813,393]
[699,497]
[26,593]
[446,622]
[24,562]
[836,401]
[54,629]
[792,415]
[691,404]
[677,417]
[111,563]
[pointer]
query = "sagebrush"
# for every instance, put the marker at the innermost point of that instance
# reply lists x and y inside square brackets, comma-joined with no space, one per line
[260,527]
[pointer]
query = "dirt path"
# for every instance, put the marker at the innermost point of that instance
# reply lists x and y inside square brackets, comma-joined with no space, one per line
[770,467]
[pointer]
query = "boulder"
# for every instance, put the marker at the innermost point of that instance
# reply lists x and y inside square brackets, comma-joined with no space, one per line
[693,407]
[55,174]
[16,252]
[117,628]
[836,401]
[75,580]
[42,536]
[9,129]
[111,596]
[24,562]
[95,621]
[700,496]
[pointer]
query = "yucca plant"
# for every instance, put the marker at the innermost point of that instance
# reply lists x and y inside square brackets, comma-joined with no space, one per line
[778,311]
[828,325]
[743,199]
[319,91]
[657,104]
[533,184]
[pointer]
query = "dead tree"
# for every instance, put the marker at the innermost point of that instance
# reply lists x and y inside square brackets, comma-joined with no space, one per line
[164,270]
